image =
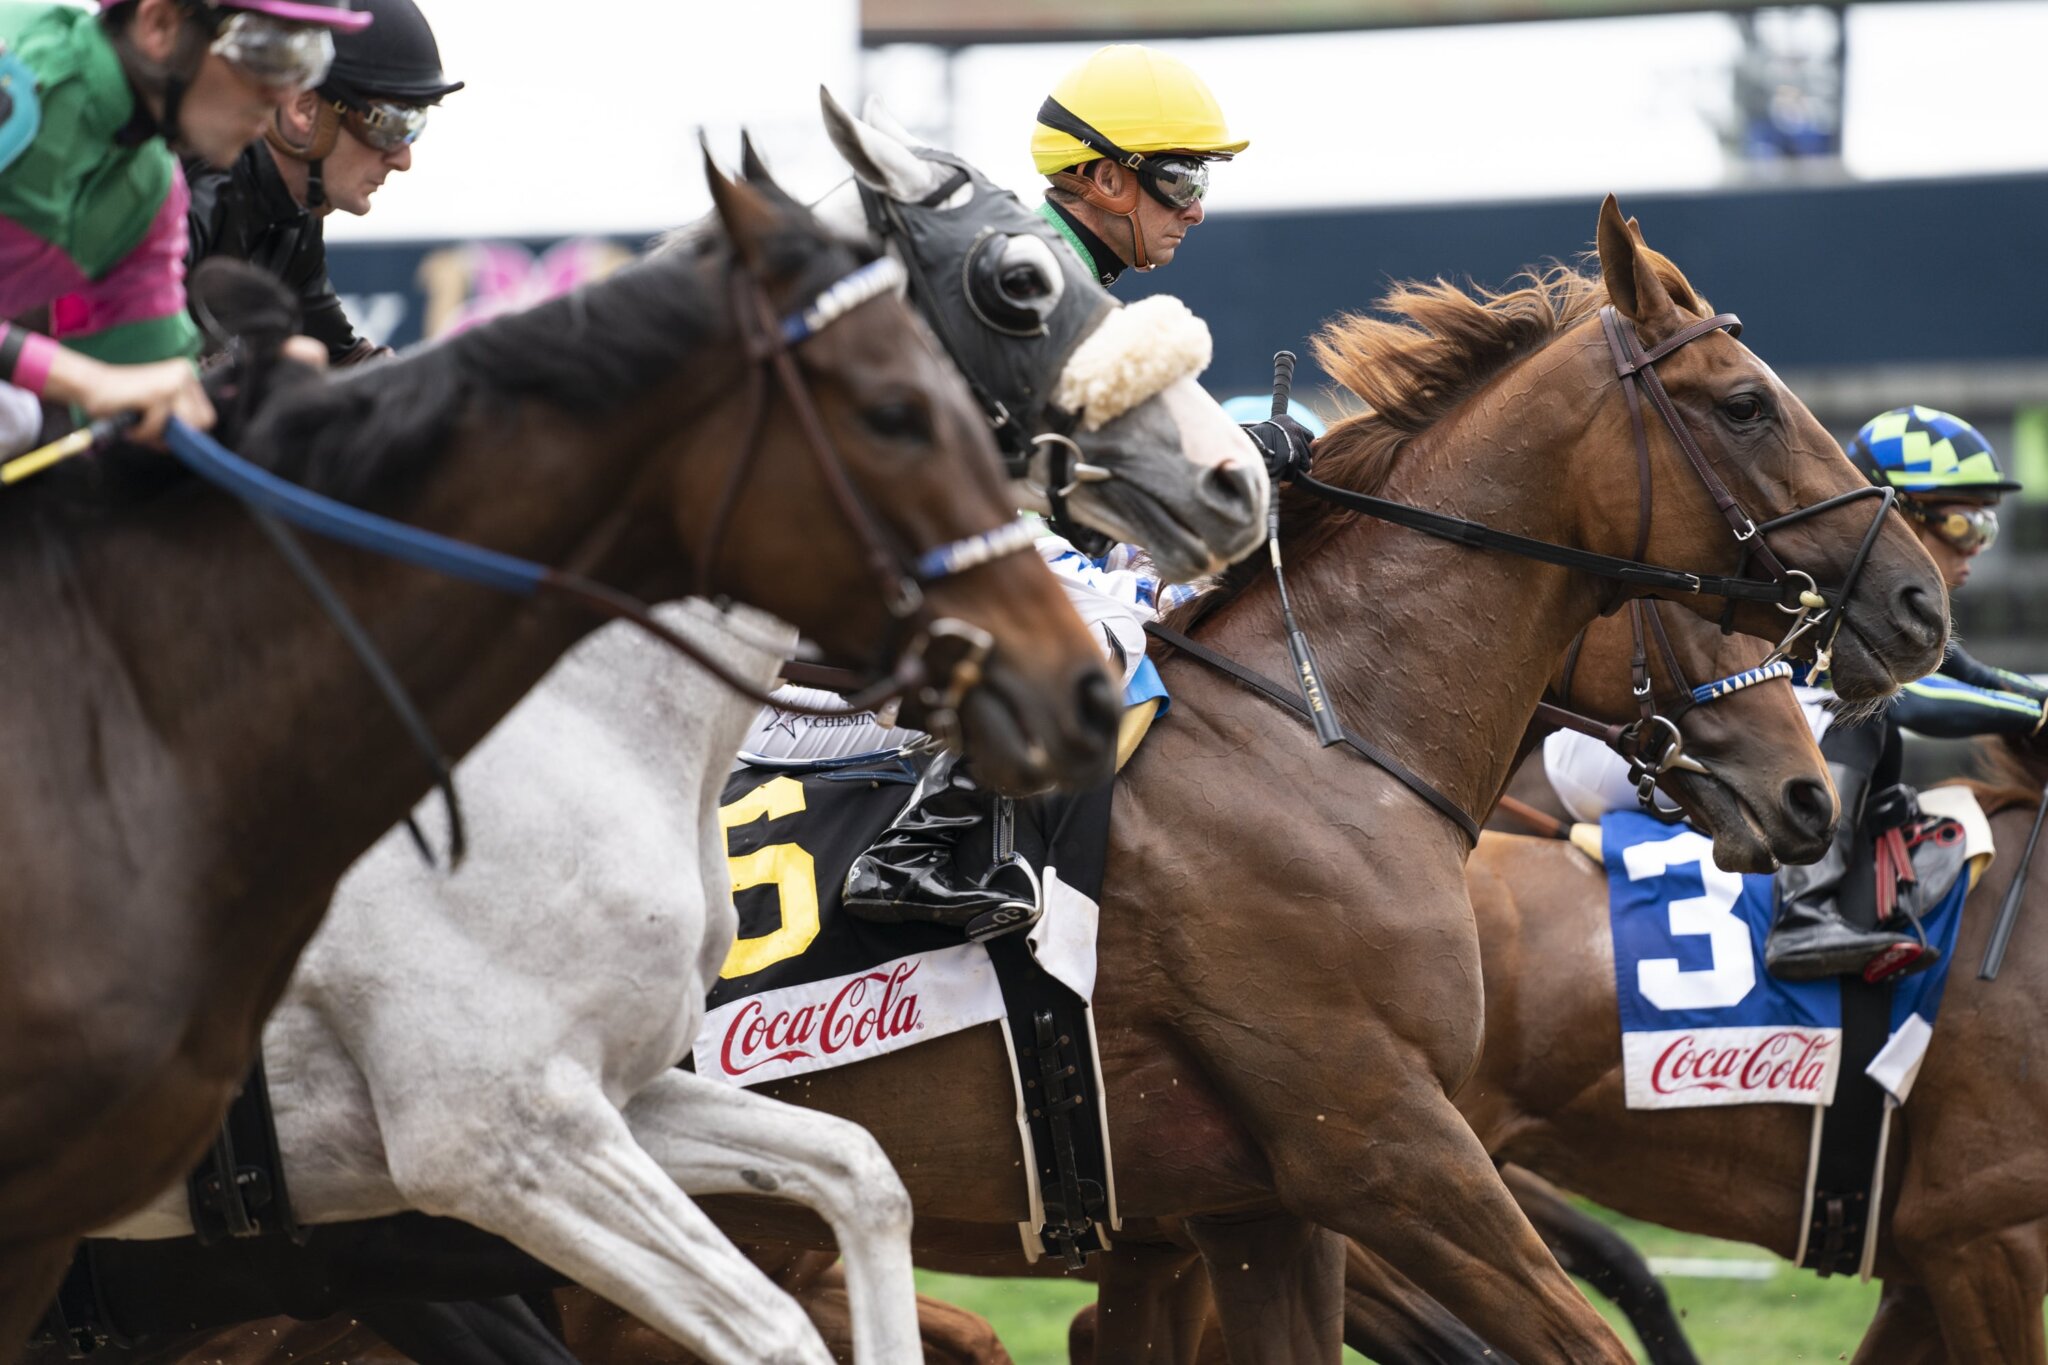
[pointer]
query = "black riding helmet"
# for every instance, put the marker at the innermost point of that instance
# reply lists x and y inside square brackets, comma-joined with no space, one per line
[395,58]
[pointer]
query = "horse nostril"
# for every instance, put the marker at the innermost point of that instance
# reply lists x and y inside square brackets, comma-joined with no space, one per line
[1811,805]
[1916,605]
[1228,490]
[1100,704]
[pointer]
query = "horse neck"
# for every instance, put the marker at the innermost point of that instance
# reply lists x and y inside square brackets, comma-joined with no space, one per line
[1437,652]
[208,668]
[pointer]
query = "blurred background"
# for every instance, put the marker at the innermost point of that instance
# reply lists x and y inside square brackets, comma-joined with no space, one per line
[1866,184]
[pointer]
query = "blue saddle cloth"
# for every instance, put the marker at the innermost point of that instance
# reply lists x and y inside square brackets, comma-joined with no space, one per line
[1702,1022]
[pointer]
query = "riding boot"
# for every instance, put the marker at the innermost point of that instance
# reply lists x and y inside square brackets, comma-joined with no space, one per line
[1810,938]
[912,872]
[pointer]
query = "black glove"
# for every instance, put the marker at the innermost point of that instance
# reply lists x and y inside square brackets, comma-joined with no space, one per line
[1286,444]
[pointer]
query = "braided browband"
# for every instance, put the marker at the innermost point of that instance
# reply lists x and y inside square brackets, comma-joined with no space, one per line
[884,275]
[1721,687]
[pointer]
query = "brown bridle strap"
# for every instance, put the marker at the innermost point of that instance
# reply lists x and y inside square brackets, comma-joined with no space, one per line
[1635,366]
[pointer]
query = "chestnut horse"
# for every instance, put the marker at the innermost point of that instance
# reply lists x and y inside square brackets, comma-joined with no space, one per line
[192,758]
[1291,981]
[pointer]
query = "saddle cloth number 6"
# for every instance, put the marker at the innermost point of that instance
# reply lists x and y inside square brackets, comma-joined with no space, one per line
[1731,973]
[787,867]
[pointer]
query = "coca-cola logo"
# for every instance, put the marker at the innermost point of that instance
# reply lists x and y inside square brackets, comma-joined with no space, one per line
[1789,1061]
[872,1007]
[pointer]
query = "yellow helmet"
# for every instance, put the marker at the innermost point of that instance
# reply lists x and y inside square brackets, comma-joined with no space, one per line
[1138,99]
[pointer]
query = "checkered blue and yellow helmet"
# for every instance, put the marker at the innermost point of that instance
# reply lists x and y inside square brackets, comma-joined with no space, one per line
[1927,453]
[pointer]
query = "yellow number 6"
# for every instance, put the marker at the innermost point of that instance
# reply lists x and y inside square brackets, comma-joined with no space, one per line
[786,867]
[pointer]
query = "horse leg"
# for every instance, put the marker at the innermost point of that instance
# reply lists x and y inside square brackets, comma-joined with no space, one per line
[554,1169]
[1987,1293]
[1905,1330]
[1279,1287]
[1603,1258]
[1389,1320]
[1396,1166]
[714,1138]
[1151,1308]
[29,1275]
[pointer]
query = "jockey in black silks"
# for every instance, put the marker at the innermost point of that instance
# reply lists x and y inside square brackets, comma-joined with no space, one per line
[1126,140]
[329,149]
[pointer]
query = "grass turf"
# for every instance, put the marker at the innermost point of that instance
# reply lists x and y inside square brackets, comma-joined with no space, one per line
[1791,1317]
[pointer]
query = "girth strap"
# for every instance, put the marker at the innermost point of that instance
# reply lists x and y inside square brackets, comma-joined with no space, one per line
[1364,748]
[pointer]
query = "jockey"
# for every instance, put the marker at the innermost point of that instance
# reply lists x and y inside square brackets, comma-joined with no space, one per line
[92,203]
[1949,484]
[328,149]
[1949,481]
[1126,140]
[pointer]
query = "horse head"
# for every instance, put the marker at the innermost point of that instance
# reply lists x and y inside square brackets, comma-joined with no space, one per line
[1747,771]
[1094,404]
[1759,482]
[872,510]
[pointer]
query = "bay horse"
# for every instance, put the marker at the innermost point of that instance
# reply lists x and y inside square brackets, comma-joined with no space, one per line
[192,759]
[1963,1249]
[1236,1098]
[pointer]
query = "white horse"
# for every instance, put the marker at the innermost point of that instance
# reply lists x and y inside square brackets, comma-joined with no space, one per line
[499,1045]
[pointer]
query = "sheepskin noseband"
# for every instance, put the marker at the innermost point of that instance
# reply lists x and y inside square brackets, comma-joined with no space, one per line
[1134,355]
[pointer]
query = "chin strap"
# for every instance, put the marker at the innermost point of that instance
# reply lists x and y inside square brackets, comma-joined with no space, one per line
[314,152]
[1124,206]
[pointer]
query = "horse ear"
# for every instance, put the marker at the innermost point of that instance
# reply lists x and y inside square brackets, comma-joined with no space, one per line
[1628,269]
[747,214]
[876,115]
[881,161]
[752,168]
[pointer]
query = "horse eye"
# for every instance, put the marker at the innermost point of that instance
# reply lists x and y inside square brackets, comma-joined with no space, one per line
[1024,283]
[900,420]
[1744,407]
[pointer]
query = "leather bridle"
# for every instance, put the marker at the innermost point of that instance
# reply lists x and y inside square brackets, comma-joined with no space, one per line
[1653,741]
[1652,744]
[770,344]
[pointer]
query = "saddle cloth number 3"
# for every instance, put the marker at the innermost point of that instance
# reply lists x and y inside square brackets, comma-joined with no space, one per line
[1731,973]
[786,867]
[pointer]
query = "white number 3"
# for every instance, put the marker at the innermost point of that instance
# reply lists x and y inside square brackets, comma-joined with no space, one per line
[1731,973]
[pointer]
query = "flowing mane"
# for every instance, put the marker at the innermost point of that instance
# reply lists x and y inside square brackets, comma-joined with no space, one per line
[2011,772]
[1437,346]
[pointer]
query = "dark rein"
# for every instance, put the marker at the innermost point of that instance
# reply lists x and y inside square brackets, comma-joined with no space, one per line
[1792,591]
[768,344]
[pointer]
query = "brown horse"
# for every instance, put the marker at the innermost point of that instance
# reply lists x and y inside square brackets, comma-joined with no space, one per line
[1964,1248]
[1291,980]
[192,759]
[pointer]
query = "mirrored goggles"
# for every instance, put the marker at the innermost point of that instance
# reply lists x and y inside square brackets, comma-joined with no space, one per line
[1175,181]
[273,53]
[1966,528]
[384,125]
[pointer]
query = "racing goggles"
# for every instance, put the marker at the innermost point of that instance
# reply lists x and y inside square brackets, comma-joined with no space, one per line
[1967,529]
[1174,180]
[273,53]
[384,125]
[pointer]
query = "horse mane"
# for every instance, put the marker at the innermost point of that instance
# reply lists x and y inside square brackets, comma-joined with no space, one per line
[1438,345]
[364,435]
[2011,772]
